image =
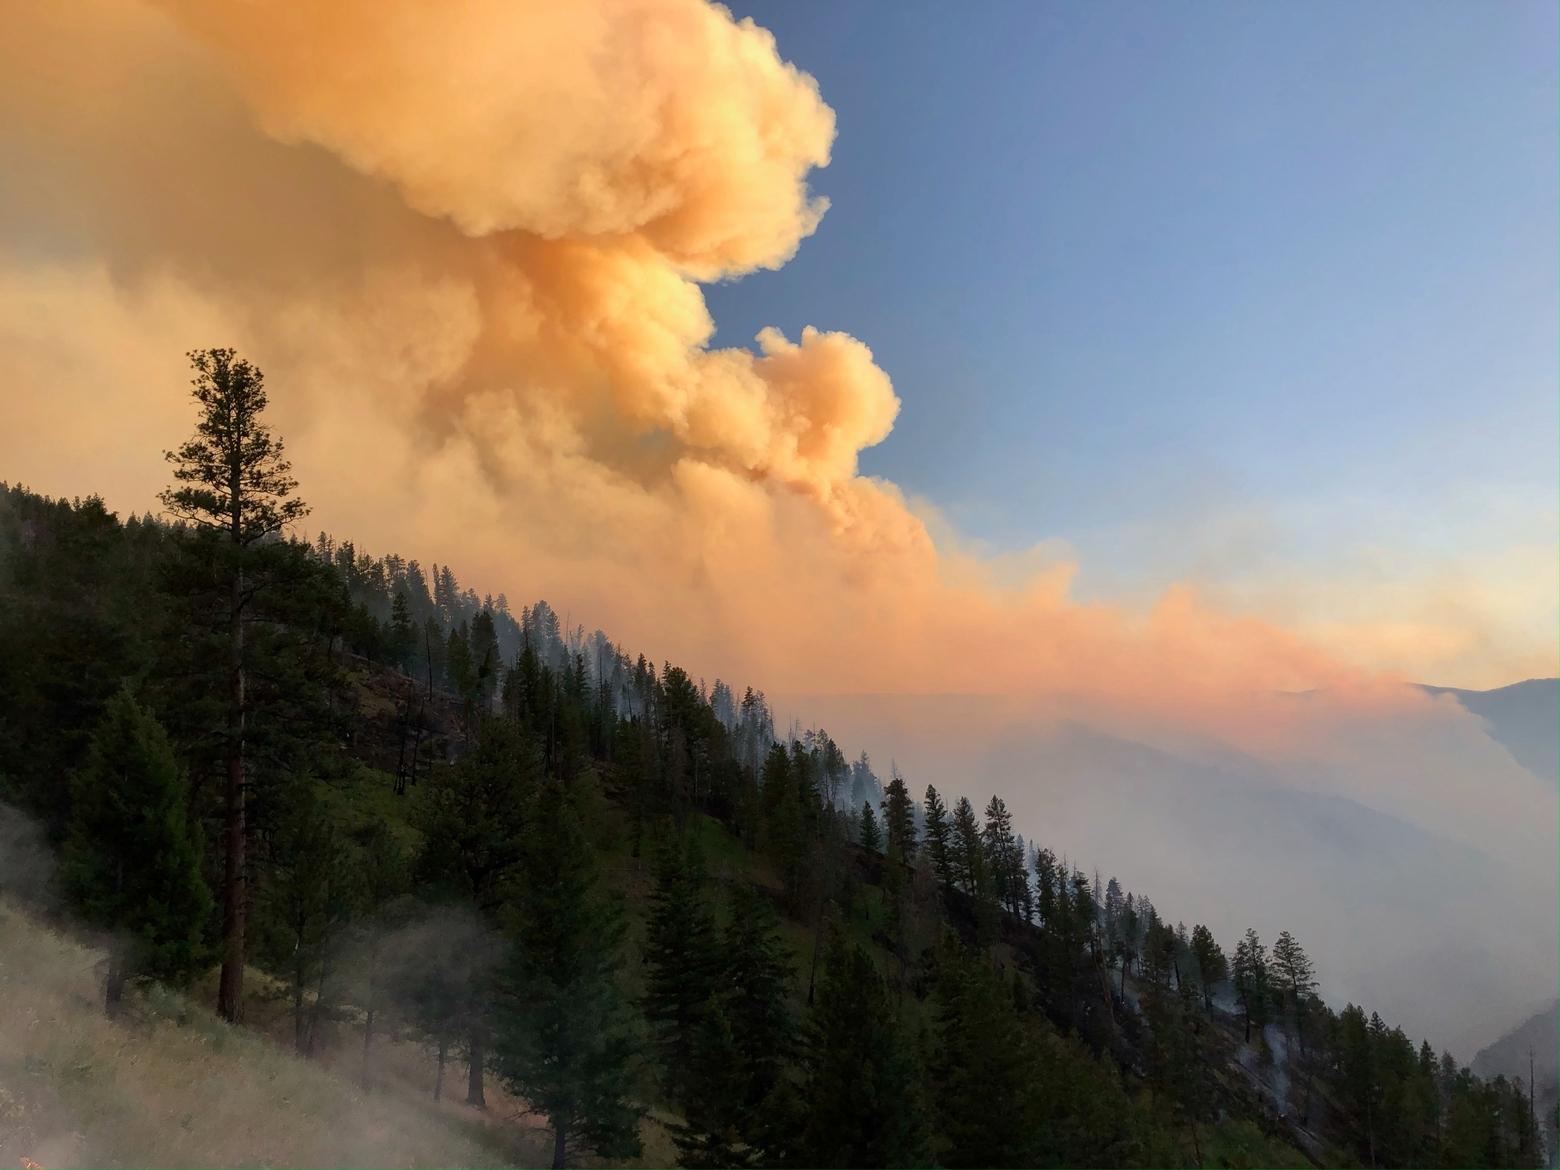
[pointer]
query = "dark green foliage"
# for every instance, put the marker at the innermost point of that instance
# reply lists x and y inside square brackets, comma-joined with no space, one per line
[871,834]
[899,820]
[684,963]
[313,885]
[968,851]
[985,1077]
[938,837]
[76,603]
[131,864]
[233,489]
[1211,966]
[861,1092]
[564,1037]
[715,1110]
[473,816]
[1250,977]
[756,978]
[744,1042]
[1293,976]
[1004,860]
[232,474]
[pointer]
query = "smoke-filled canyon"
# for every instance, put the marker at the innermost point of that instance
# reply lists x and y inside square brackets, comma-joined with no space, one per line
[467,244]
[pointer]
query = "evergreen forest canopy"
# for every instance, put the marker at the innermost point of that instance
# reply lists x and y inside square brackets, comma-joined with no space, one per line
[619,891]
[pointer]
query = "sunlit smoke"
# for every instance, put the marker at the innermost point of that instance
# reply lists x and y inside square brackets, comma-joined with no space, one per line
[465,243]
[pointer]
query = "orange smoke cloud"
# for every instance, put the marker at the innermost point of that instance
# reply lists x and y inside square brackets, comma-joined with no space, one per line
[658,119]
[465,244]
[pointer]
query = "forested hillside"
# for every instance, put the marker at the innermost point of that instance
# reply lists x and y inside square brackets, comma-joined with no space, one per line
[341,792]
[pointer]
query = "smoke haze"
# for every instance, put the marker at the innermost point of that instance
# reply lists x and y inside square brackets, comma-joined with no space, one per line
[466,244]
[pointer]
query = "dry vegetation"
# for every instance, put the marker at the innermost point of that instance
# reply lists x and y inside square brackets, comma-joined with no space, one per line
[171,1085]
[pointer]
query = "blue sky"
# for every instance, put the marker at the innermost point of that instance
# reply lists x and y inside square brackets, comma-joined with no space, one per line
[1196,282]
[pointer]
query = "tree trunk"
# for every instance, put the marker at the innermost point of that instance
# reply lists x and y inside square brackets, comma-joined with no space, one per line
[368,1037]
[114,986]
[317,1008]
[298,1016]
[438,1080]
[817,944]
[474,1094]
[230,989]
[400,761]
[558,1147]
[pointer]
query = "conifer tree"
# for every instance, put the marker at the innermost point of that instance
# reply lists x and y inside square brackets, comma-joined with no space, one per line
[1294,976]
[131,864]
[938,837]
[986,1082]
[1249,973]
[715,1113]
[899,820]
[1003,859]
[968,850]
[756,979]
[234,484]
[403,634]
[871,835]
[681,954]
[473,818]
[564,1036]
[1212,967]
[861,1105]
[305,899]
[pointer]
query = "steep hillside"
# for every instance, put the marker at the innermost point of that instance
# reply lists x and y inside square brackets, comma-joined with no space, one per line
[1531,1048]
[174,1086]
[493,859]
[1523,717]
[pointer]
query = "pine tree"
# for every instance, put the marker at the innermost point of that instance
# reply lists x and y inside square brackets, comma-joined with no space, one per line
[403,634]
[304,902]
[681,954]
[131,864]
[235,485]
[861,1104]
[871,835]
[473,818]
[1003,858]
[985,1077]
[1212,967]
[1249,973]
[711,1135]
[899,820]
[938,837]
[1295,977]
[756,980]
[564,1038]
[968,851]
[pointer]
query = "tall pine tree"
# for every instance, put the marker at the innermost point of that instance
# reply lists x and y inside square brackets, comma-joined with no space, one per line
[234,484]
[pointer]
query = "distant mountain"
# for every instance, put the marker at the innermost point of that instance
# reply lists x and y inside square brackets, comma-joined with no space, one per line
[1539,1034]
[1524,718]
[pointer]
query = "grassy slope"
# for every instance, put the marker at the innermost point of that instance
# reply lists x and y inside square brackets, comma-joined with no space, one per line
[173,1085]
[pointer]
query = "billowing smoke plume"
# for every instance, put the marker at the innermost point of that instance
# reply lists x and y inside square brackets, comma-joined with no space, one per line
[465,244]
